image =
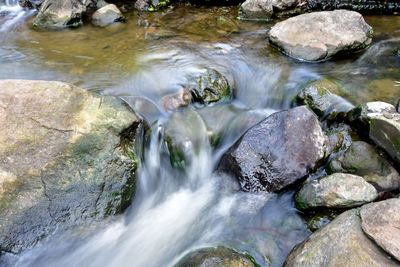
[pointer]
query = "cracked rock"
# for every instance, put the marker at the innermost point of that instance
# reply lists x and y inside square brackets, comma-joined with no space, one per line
[61,162]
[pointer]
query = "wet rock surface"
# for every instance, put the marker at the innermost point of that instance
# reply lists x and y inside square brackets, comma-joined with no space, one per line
[320,35]
[66,159]
[380,221]
[364,160]
[340,243]
[215,257]
[321,96]
[278,151]
[338,190]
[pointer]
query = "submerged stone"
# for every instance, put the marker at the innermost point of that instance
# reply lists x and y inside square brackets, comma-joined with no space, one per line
[276,152]
[66,159]
[320,35]
[216,257]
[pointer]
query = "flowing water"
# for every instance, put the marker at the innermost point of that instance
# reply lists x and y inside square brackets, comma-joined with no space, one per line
[152,55]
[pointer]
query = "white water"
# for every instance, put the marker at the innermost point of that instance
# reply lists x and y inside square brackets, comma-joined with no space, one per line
[13,15]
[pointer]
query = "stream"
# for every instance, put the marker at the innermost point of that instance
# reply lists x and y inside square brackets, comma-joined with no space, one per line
[152,55]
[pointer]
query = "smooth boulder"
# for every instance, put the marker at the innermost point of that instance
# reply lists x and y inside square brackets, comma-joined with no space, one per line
[320,35]
[278,151]
[364,160]
[107,15]
[340,243]
[60,14]
[338,190]
[380,221]
[67,158]
[215,257]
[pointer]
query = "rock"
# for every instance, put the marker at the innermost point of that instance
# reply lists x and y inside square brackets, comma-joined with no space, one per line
[321,96]
[268,9]
[215,257]
[367,6]
[31,4]
[210,87]
[151,5]
[60,14]
[340,243]
[339,190]
[316,219]
[364,160]
[361,115]
[380,221]
[185,134]
[384,130]
[276,152]
[340,137]
[320,35]
[66,159]
[177,100]
[107,15]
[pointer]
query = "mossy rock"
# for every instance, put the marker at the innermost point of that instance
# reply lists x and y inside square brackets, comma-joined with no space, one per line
[64,159]
[324,98]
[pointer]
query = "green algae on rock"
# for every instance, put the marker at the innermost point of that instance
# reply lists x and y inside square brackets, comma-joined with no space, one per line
[63,159]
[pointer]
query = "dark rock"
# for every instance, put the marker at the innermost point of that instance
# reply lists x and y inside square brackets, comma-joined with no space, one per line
[215,257]
[380,221]
[66,159]
[320,35]
[151,5]
[364,160]
[210,87]
[107,15]
[278,151]
[60,14]
[340,243]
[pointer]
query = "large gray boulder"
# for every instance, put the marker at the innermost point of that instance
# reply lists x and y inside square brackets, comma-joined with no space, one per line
[67,158]
[215,257]
[364,160]
[60,14]
[320,35]
[380,221]
[384,130]
[340,243]
[339,190]
[278,151]
[107,15]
